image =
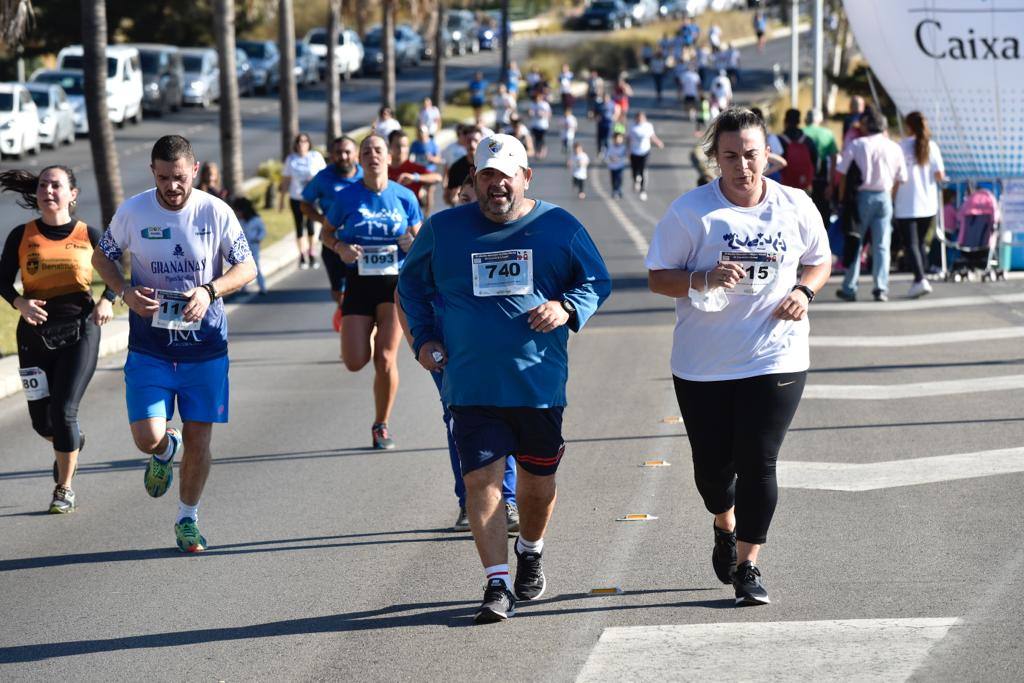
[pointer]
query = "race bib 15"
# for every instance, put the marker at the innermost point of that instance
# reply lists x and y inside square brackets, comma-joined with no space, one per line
[760,270]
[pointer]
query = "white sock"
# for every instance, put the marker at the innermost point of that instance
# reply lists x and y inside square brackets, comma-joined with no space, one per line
[168,453]
[498,571]
[190,511]
[524,546]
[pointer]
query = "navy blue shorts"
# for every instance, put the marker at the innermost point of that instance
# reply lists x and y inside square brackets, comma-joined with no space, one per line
[533,436]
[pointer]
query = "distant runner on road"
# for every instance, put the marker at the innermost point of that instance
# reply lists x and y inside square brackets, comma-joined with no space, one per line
[514,275]
[178,331]
[743,257]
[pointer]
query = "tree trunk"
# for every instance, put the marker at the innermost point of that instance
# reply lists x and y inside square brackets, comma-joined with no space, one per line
[331,78]
[287,88]
[437,93]
[505,37]
[387,79]
[101,132]
[230,112]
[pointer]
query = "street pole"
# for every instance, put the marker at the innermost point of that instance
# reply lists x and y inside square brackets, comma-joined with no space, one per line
[794,54]
[819,53]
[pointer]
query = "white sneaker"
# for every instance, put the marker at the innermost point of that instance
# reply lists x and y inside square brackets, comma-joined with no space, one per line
[643,196]
[919,289]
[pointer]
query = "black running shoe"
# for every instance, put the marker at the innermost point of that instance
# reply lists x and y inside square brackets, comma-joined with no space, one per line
[530,582]
[461,522]
[723,557]
[499,604]
[749,589]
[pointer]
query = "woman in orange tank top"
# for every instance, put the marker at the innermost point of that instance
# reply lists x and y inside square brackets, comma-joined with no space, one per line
[58,333]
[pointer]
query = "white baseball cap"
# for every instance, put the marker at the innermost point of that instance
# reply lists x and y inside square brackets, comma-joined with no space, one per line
[501,152]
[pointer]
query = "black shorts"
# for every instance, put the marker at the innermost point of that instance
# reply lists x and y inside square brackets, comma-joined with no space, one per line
[364,293]
[335,269]
[533,436]
[538,136]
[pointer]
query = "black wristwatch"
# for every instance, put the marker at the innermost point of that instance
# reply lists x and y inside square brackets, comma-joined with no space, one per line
[806,290]
[569,308]
[109,294]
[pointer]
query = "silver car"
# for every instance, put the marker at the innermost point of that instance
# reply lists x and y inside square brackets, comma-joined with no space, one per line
[202,76]
[72,83]
[56,118]
[307,65]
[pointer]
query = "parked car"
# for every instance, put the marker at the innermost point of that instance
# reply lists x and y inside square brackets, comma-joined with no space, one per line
[462,31]
[611,15]
[19,121]
[642,11]
[348,53]
[163,77]
[202,75]
[56,117]
[124,79]
[266,62]
[72,82]
[307,65]
[695,8]
[672,9]
[244,75]
[490,31]
[408,48]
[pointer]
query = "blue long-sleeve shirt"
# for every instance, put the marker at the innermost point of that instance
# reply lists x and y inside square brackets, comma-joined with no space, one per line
[494,358]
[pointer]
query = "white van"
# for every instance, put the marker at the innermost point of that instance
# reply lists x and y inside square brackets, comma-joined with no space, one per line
[124,79]
[19,122]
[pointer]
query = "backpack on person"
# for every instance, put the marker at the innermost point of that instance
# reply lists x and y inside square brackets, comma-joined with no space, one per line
[799,171]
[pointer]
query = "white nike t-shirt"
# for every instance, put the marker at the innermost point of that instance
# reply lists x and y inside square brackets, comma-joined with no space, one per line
[744,339]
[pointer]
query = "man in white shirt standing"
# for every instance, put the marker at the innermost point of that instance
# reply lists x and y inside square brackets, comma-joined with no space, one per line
[883,168]
[179,239]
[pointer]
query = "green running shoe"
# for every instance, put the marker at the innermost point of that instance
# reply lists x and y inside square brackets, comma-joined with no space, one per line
[159,474]
[189,538]
[63,501]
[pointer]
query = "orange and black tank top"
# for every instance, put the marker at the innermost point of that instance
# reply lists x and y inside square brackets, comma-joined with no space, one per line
[52,268]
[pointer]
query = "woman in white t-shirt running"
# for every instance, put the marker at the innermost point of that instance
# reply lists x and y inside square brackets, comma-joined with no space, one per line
[743,257]
[917,200]
[299,168]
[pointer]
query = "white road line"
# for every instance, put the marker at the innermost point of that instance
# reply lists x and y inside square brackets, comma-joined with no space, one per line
[830,476]
[921,304]
[873,392]
[848,649]
[901,340]
[629,226]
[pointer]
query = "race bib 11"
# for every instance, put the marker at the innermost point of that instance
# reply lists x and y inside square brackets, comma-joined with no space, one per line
[379,260]
[170,315]
[760,270]
[503,273]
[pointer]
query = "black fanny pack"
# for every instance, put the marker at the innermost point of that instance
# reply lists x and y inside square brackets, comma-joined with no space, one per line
[61,334]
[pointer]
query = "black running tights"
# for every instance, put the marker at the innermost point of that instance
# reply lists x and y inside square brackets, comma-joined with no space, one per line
[68,372]
[638,164]
[736,428]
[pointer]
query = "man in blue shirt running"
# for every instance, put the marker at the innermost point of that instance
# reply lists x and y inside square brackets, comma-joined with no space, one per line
[508,277]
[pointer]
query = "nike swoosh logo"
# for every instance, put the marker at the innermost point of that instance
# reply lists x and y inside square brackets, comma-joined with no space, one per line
[786,384]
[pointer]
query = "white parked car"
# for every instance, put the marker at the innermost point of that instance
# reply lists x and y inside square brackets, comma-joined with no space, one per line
[124,79]
[19,122]
[73,84]
[56,117]
[202,75]
[642,11]
[348,54]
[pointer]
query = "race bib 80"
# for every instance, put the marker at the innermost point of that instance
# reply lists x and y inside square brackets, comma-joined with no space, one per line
[760,269]
[503,273]
[171,312]
[34,383]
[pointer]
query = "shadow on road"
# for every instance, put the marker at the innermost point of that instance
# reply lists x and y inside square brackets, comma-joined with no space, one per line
[452,614]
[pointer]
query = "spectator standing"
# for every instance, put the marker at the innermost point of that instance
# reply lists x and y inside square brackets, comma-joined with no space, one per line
[210,181]
[825,146]
[799,152]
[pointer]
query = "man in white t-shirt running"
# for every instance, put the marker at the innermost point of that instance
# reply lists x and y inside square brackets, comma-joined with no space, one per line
[641,136]
[178,238]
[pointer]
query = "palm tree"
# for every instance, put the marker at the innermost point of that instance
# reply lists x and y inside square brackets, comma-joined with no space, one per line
[15,16]
[230,112]
[101,132]
[333,82]
[287,89]
[387,45]
[504,41]
[440,53]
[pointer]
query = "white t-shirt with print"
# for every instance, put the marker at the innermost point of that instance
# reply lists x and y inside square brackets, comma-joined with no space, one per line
[177,251]
[744,339]
[301,169]
[640,135]
[919,196]
[540,115]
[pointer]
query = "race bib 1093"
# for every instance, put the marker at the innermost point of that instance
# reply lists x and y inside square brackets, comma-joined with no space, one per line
[379,260]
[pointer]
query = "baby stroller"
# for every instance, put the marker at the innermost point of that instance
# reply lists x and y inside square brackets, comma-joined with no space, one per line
[975,247]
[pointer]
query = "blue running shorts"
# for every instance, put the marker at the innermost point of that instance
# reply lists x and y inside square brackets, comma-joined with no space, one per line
[152,384]
[533,436]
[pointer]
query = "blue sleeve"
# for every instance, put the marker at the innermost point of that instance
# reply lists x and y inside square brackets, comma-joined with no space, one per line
[261,230]
[412,208]
[591,282]
[336,217]
[309,192]
[416,289]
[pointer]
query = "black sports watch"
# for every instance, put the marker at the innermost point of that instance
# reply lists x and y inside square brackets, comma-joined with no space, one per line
[806,290]
[109,294]
[569,308]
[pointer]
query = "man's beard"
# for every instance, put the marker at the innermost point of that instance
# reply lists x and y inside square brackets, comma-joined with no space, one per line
[343,168]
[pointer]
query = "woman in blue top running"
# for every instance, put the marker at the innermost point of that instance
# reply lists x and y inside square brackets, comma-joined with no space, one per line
[374,223]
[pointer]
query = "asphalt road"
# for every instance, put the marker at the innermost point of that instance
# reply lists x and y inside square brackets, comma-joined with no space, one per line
[330,561]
